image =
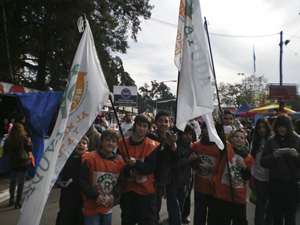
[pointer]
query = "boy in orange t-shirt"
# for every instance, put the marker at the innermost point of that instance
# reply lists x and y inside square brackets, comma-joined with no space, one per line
[240,164]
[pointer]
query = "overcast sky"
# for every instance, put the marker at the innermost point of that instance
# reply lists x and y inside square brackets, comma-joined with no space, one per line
[152,57]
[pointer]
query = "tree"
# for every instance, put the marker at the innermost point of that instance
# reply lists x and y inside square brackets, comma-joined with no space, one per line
[253,90]
[42,37]
[149,95]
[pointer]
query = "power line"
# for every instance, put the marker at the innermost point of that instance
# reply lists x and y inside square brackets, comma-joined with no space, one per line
[214,34]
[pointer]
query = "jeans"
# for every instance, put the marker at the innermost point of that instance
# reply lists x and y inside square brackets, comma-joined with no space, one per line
[175,201]
[20,176]
[284,198]
[102,219]
[204,205]
[262,191]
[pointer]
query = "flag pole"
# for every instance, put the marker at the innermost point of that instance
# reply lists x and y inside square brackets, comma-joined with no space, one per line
[176,98]
[121,132]
[218,96]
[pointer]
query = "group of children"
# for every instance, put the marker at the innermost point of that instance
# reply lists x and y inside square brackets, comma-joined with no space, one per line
[149,165]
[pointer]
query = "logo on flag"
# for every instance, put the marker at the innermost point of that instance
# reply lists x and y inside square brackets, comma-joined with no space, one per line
[84,97]
[192,60]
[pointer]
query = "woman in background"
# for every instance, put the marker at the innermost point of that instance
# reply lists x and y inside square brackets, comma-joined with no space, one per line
[281,156]
[261,175]
[16,138]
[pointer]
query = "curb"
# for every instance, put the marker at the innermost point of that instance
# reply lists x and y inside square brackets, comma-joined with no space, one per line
[4,195]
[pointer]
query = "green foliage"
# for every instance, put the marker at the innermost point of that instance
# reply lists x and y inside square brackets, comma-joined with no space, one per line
[253,90]
[43,38]
[148,96]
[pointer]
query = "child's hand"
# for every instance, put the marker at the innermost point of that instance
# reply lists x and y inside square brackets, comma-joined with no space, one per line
[110,201]
[202,167]
[100,200]
[240,164]
[172,139]
[193,156]
[212,168]
[133,173]
[62,184]
[131,162]
[119,157]
[174,147]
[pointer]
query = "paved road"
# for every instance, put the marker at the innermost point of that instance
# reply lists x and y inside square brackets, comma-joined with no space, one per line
[10,216]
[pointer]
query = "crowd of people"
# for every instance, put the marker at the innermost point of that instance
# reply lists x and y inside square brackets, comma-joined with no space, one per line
[156,160]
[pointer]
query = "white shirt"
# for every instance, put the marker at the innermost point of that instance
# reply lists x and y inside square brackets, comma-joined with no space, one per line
[126,126]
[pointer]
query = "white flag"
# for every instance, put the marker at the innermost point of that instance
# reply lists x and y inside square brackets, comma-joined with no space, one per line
[84,97]
[192,60]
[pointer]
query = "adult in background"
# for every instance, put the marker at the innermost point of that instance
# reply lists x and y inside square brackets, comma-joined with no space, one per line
[94,138]
[21,119]
[284,168]
[15,139]
[128,123]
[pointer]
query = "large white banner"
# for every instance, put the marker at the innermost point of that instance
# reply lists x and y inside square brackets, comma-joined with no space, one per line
[192,60]
[84,97]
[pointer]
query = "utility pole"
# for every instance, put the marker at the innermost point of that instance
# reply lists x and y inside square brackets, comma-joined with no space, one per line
[281,103]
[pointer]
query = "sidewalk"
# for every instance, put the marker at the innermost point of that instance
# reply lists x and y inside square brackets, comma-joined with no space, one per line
[4,195]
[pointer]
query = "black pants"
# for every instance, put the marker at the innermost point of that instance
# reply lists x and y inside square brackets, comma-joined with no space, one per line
[284,198]
[228,211]
[135,208]
[70,213]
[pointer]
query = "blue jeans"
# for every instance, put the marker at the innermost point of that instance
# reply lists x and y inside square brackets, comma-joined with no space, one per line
[175,201]
[284,198]
[20,176]
[102,219]
[204,204]
[262,191]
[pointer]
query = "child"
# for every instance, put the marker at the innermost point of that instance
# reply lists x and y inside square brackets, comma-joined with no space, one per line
[240,164]
[70,195]
[101,180]
[229,128]
[162,171]
[181,174]
[205,202]
[139,173]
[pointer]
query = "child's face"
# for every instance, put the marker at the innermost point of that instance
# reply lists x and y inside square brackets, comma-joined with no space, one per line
[163,124]
[228,119]
[141,129]
[187,138]
[204,131]
[108,144]
[238,139]
[81,147]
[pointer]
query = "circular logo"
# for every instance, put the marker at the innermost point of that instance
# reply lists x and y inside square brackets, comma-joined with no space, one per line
[126,93]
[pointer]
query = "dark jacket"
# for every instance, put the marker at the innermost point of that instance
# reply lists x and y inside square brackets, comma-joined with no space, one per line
[86,186]
[71,169]
[180,165]
[14,161]
[162,171]
[280,167]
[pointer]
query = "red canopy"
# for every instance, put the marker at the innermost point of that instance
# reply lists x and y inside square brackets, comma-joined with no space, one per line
[247,114]
[234,109]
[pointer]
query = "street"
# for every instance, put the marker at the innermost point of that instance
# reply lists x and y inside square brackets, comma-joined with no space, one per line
[10,216]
